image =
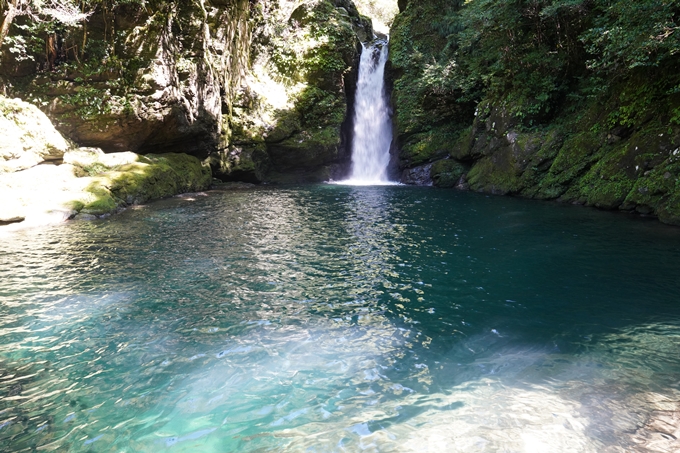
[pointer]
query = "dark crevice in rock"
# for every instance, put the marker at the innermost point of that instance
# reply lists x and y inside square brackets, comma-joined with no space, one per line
[11,220]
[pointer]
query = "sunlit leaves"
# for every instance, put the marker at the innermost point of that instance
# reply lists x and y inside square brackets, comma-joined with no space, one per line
[629,34]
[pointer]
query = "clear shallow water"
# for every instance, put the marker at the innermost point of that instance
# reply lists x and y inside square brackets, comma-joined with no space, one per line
[335,318]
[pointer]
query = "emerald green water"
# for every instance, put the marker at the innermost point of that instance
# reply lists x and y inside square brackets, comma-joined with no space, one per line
[341,319]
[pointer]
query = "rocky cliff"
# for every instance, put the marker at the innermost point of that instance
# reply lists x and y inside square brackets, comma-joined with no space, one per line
[259,89]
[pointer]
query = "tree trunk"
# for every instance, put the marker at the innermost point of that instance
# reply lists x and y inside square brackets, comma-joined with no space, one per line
[12,12]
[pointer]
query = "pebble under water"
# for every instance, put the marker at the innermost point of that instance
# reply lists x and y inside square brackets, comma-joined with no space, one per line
[341,319]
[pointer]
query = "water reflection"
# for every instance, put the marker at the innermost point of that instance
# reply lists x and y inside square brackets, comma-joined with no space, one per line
[340,319]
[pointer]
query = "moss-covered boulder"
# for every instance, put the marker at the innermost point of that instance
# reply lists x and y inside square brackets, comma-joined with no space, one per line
[95,184]
[448,173]
[151,177]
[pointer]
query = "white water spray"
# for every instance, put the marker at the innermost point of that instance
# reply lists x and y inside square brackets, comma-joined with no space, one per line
[372,127]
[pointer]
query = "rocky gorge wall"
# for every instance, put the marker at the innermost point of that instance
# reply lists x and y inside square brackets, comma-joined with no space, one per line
[616,148]
[259,90]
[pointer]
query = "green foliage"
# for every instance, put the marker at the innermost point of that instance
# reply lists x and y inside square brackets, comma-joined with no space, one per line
[626,34]
[536,59]
[89,102]
[319,107]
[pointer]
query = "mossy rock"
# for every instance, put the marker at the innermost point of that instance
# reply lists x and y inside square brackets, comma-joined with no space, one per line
[669,211]
[511,163]
[495,174]
[447,172]
[153,177]
[305,150]
[100,200]
[538,152]
[247,164]
[428,146]
[656,192]
[575,156]
[165,175]
[609,181]
[287,124]
[463,145]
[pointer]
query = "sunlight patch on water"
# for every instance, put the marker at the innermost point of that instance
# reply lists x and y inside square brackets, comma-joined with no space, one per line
[274,394]
[275,379]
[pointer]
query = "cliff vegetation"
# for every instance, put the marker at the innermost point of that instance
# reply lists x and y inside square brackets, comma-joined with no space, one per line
[570,100]
[257,89]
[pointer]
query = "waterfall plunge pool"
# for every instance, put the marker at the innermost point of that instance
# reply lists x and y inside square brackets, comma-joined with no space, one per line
[341,319]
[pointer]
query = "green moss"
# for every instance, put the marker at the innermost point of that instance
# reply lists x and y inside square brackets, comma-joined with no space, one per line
[153,177]
[75,205]
[319,108]
[287,123]
[463,145]
[669,211]
[102,203]
[314,140]
[605,193]
[427,146]
[447,172]
[575,156]
[94,169]
[495,174]
[658,191]
[306,150]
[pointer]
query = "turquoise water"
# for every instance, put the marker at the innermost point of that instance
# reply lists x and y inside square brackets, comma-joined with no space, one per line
[341,319]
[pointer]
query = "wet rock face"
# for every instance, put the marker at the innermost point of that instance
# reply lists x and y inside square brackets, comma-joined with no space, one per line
[419,176]
[291,118]
[154,78]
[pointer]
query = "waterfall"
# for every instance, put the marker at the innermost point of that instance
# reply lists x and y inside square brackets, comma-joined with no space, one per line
[372,126]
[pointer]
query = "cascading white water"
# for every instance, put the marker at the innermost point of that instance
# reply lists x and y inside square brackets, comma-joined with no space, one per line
[372,126]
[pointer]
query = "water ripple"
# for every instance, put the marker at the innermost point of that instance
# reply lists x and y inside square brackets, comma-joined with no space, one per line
[336,318]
